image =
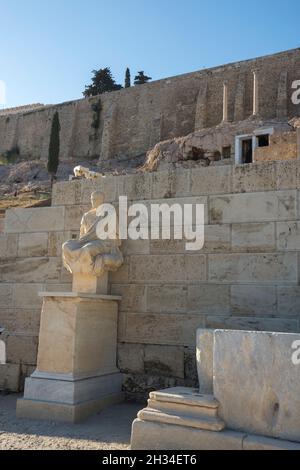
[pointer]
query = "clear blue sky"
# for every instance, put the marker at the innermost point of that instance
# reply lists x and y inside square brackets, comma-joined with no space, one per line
[49,47]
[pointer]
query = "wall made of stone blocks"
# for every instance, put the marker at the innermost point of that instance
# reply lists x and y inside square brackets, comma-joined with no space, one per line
[246,277]
[133,120]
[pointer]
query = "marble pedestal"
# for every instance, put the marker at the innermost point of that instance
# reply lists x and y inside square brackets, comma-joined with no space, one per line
[76,371]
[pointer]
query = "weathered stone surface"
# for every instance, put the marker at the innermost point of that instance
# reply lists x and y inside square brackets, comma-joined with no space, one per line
[209,298]
[273,268]
[267,443]
[63,193]
[10,377]
[173,329]
[164,360]
[166,298]
[6,295]
[170,184]
[21,348]
[133,247]
[133,297]
[253,300]
[286,174]
[8,245]
[131,358]
[135,187]
[288,236]
[254,207]
[26,295]
[214,180]
[147,435]
[25,321]
[252,323]
[254,177]
[56,239]
[172,267]
[257,383]
[73,216]
[217,238]
[107,185]
[41,219]
[288,298]
[32,244]
[204,355]
[253,237]
[30,270]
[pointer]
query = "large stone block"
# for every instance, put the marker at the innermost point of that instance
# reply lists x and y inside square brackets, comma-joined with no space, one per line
[164,360]
[256,382]
[214,180]
[167,298]
[73,216]
[21,321]
[32,244]
[21,348]
[63,193]
[170,184]
[6,295]
[157,268]
[252,323]
[8,245]
[135,187]
[164,329]
[131,358]
[286,174]
[30,270]
[204,355]
[217,238]
[254,177]
[253,237]
[288,299]
[254,207]
[253,300]
[10,377]
[209,298]
[288,236]
[41,219]
[26,295]
[133,297]
[106,184]
[249,268]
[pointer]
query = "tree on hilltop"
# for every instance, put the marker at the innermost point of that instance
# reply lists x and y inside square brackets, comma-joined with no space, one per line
[127,78]
[141,78]
[54,144]
[102,82]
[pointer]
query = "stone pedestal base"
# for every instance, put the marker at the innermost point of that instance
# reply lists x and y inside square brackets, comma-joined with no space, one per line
[76,367]
[183,419]
[63,398]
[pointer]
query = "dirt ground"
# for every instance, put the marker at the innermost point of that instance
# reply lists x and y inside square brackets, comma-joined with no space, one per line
[108,430]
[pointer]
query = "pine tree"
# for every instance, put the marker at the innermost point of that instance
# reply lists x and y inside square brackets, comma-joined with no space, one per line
[102,82]
[141,78]
[53,154]
[127,78]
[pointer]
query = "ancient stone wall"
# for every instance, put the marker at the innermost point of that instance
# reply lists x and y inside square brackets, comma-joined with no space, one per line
[246,277]
[133,120]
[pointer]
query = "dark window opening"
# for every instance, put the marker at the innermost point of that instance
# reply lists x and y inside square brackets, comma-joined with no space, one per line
[263,140]
[247,154]
[226,152]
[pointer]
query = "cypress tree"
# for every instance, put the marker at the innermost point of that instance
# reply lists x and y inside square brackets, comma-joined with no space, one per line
[127,78]
[53,154]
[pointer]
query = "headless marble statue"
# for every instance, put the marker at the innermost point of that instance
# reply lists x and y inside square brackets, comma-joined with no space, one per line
[90,258]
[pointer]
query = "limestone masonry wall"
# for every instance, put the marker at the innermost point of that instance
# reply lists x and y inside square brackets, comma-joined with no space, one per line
[133,120]
[246,277]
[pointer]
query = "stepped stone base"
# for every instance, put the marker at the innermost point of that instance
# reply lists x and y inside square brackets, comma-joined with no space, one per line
[183,419]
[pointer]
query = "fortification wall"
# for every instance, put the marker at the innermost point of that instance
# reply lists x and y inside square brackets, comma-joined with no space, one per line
[246,277]
[133,120]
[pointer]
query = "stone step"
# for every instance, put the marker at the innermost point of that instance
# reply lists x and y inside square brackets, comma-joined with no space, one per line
[208,423]
[186,396]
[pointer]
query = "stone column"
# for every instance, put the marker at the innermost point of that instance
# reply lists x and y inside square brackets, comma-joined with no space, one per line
[225,102]
[255,93]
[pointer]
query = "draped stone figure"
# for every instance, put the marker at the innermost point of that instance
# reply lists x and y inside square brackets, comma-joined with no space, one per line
[89,255]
